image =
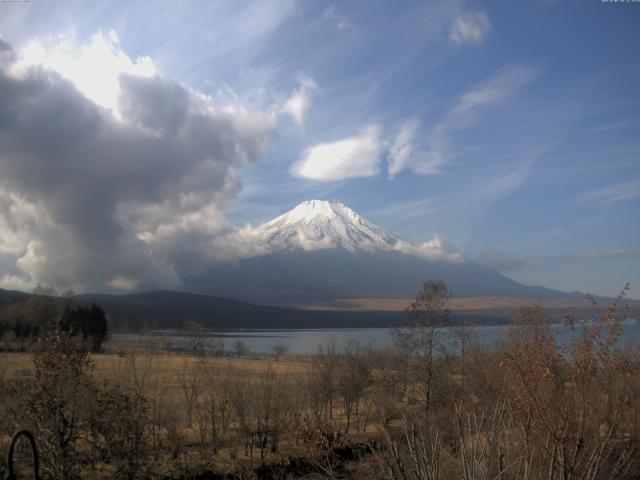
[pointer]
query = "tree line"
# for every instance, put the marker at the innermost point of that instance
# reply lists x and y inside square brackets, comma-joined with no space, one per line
[26,322]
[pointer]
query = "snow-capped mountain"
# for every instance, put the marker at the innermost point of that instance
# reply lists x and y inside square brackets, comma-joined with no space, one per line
[321,251]
[317,225]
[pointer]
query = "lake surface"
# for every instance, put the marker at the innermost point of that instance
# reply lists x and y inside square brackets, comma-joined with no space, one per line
[308,341]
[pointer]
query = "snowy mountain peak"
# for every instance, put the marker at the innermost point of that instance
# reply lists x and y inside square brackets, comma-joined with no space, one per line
[319,210]
[320,224]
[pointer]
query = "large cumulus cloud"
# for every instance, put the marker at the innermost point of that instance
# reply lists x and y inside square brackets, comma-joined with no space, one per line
[94,197]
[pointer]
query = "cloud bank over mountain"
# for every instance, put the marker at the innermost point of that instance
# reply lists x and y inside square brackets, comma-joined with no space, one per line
[99,190]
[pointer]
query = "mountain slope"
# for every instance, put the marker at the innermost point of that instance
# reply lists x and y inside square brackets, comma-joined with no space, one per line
[316,224]
[324,251]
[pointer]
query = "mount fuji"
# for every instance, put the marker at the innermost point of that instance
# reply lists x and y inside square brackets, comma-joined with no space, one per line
[324,251]
[320,225]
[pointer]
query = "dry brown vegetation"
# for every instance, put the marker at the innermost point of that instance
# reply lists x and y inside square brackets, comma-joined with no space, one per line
[458,303]
[527,408]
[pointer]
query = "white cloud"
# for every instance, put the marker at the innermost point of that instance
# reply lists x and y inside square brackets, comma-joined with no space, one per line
[15,282]
[430,153]
[121,179]
[298,104]
[614,193]
[434,249]
[469,28]
[17,218]
[94,68]
[340,21]
[356,156]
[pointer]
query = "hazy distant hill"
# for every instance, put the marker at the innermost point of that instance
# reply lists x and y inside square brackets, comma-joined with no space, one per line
[10,296]
[169,309]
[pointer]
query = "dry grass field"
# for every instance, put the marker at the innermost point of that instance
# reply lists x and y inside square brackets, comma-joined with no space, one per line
[181,392]
[111,365]
[528,407]
[455,304]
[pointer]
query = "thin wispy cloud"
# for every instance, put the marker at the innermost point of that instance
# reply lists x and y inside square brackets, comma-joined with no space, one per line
[406,210]
[469,28]
[297,105]
[429,153]
[351,157]
[490,92]
[506,261]
[608,253]
[490,189]
[614,193]
[499,259]
[340,21]
[402,149]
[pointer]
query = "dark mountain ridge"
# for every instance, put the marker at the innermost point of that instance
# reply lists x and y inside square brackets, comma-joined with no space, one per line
[163,309]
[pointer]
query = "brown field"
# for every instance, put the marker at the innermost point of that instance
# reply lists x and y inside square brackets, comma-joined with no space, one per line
[162,378]
[169,365]
[151,414]
[463,303]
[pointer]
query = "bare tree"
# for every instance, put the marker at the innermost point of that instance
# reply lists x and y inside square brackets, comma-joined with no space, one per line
[214,402]
[262,410]
[273,410]
[411,454]
[426,315]
[391,380]
[196,337]
[564,399]
[279,350]
[159,411]
[189,383]
[243,401]
[118,431]
[354,376]
[58,401]
[321,383]
[217,345]
[241,348]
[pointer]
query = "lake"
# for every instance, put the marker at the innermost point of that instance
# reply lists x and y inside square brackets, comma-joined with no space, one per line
[307,341]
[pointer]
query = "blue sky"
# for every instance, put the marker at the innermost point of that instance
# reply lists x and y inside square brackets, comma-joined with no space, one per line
[508,128]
